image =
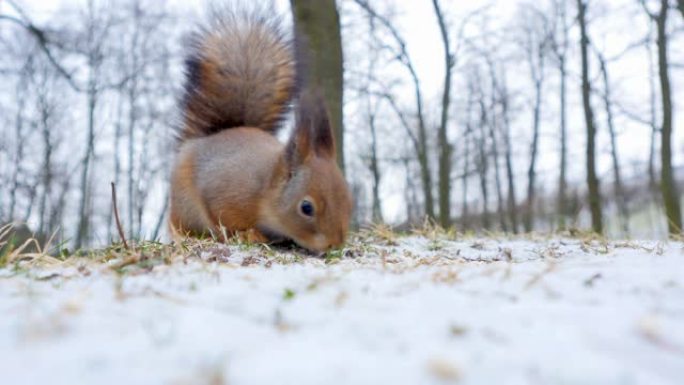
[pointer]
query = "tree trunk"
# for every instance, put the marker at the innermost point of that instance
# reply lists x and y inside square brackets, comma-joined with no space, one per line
[537,73]
[621,198]
[371,111]
[532,169]
[426,177]
[655,215]
[18,157]
[375,170]
[160,220]
[144,175]
[118,132]
[319,21]
[497,177]
[57,213]
[442,137]
[132,95]
[493,136]
[563,179]
[465,214]
[483,166]
[652,179]
[410,195]
[592,180]
[667,181]
[82,234]
[31,192]
[374,165]
[47,165]
[94,61]
[562,69]
[511,201]
[132,118]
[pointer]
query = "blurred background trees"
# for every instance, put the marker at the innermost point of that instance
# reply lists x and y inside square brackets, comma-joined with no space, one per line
[489,116]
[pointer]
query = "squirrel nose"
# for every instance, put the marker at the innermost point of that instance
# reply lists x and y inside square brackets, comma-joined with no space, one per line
[334,241]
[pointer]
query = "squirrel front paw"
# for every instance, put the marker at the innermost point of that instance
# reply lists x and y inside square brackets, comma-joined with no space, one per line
[251,236]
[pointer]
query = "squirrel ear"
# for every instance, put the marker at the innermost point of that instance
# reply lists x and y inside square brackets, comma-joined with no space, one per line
[312,134]
[312,116]
[298,148]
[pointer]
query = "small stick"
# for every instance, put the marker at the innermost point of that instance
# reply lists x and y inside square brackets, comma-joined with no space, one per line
[116,216]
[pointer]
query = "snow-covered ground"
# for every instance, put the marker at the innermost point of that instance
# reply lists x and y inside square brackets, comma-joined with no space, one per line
[412,311]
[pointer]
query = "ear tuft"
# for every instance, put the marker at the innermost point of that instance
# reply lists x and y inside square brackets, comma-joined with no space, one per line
[312,116]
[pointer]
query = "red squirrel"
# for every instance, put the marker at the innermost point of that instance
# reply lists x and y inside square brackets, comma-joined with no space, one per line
[231,175]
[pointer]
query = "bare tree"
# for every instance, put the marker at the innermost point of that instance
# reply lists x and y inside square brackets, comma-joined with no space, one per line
[592,180]
[47,110]
[560,44]
[652,179]
[621,198]
[374,164]
[668,185]
[445,147]
[482,158]
[76,59]
[653,184]
[20,180]
[419,141]
[144,61]
[33,180]
[118,133]
[96,29]
[372,101]
[132,91]
[466,155]
[511,203]
[494,130]
[18,153]
[535,45]
[371,111]
[413,208]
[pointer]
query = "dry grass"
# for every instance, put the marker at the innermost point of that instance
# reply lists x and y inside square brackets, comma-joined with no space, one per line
[377,240]
[15,249]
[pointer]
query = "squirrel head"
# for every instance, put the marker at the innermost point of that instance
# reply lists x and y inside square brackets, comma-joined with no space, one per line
[314,204]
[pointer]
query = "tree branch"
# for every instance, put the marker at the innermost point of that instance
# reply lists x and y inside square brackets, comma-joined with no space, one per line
[43,42]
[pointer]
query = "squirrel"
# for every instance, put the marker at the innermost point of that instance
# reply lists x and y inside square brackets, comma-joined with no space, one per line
[231,174]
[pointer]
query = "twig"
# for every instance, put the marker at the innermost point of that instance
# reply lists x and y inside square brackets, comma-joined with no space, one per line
[116,217]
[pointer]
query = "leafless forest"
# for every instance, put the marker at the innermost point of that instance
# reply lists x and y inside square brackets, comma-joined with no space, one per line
[501,116]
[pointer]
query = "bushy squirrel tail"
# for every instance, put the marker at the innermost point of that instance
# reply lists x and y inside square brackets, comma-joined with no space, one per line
[241,71]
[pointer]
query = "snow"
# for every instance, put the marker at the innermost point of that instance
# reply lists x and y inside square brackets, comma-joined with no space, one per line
[408,311]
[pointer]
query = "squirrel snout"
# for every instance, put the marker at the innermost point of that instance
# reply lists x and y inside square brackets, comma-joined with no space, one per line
[336,241]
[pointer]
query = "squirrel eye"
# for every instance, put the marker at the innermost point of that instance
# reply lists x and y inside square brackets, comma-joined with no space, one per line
[306,208]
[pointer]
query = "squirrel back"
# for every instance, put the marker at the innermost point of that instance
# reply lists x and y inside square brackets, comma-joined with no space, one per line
[240,72]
